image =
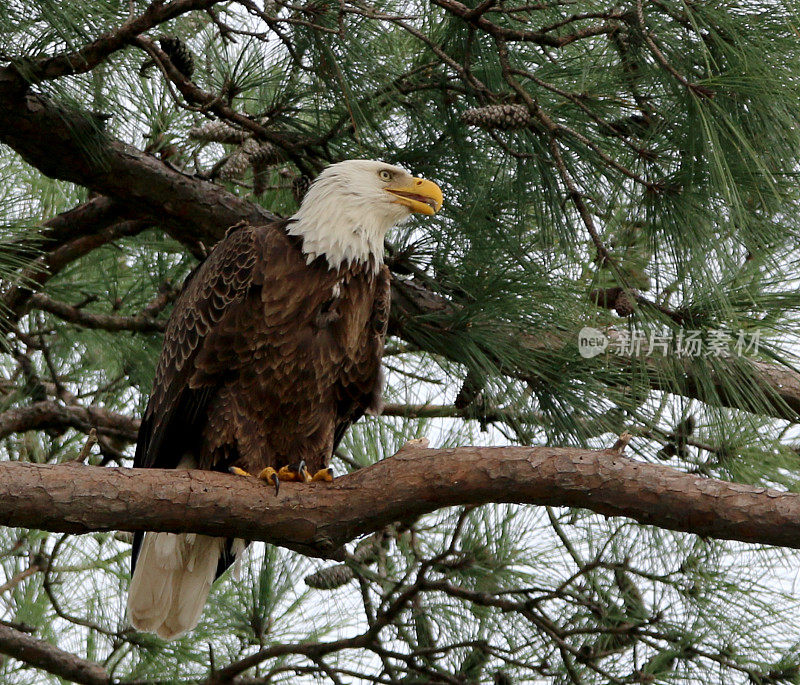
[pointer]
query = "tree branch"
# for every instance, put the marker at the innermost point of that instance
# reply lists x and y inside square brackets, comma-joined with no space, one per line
[89,56]
[47,657]
[41,270]
[318,518]
[50,414]
[67,144]
[209,102]
[140,323]
[477,19]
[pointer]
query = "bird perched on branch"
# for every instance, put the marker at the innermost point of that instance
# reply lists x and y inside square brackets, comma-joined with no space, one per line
[272,351]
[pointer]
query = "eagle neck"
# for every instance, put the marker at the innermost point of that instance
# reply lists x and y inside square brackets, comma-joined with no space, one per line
[344,236]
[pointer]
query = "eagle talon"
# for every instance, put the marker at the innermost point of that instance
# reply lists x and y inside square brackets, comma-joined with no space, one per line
[236,471]
[325,475]
[286,473]
[294,473]
[302,472]
[270,475]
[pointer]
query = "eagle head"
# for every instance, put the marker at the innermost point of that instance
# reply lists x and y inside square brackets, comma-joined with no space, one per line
[350,206]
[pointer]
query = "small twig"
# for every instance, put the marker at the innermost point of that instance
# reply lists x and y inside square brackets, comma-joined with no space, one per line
[19,577]
[622,442]
[91,441]
[701,91]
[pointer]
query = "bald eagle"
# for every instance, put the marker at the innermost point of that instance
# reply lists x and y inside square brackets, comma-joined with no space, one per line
[272,351]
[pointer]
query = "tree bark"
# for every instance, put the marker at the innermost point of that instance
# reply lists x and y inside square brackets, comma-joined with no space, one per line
[47,657]
[139,323]
[318,518]
[49,414]
[70,145]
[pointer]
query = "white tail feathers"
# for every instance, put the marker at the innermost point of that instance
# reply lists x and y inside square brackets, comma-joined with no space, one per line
[171,582]
[172,579]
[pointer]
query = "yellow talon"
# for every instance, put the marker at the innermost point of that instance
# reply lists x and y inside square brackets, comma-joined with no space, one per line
[295,474]
[271,476]
[324,475]
[286,474]
[235,470]
[268,474]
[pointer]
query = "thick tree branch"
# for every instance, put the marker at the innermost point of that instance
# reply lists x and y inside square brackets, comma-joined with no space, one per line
[318,518]
[50,414]
[67,144]
[47,657]
[84,219]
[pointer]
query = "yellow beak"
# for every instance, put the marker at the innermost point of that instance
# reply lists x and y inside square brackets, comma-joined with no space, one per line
[421,196]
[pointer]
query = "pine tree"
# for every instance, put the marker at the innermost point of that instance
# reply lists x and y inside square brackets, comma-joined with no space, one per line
[617,172]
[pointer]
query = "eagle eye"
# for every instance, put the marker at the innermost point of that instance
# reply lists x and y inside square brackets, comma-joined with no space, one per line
[385,175]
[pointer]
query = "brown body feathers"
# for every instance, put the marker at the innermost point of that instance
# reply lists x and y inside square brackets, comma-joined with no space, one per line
[267,359]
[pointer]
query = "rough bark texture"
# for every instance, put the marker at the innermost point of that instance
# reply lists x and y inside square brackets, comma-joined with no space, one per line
[47,657]
[54,415]
[318,518]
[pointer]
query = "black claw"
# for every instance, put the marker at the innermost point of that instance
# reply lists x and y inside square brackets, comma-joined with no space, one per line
[301,467]
[277,482]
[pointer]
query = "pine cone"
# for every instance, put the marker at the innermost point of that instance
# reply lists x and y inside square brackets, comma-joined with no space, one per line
[504,117]
[330,578]
[178,54]
[367,551]
[264,153]
[250,147]
[236,165]
[218,132]
[686,427]
[251,153]
[470,391]
[623,305]
[667,451]
[299,187]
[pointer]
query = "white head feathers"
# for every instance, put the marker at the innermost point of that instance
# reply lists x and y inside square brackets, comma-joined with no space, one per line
[350,206]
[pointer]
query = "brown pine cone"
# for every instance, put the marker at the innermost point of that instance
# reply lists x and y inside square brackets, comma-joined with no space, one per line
[504,117]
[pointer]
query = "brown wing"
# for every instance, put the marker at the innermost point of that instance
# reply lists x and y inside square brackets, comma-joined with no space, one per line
[360,390]
[170,425]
